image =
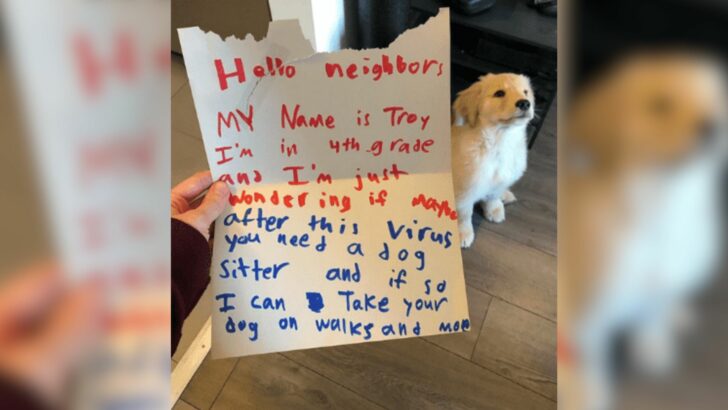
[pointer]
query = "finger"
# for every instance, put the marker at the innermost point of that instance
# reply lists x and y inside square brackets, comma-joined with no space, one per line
[71,330]
[74,323]
[212,205]
[193,186]
[29,294]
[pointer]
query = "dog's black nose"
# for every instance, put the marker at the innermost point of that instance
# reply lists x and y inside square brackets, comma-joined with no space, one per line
[523,104]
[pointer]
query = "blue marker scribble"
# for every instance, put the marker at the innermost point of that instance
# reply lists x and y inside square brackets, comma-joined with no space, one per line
[315,301]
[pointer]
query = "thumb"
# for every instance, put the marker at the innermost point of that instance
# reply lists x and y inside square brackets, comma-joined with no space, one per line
[209,209]
[213,204]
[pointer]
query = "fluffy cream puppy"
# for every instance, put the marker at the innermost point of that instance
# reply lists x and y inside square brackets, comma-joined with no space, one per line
[489,146]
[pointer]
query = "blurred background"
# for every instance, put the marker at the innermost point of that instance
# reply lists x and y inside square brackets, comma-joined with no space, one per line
[84,259]
[642,272]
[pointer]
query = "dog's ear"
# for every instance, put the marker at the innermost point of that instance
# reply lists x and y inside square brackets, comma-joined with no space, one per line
[468,102]
[594,124]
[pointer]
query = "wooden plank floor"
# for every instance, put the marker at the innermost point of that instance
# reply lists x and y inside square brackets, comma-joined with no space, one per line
[507,360]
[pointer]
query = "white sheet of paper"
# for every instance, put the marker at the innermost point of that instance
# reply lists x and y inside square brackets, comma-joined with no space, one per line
[341,226]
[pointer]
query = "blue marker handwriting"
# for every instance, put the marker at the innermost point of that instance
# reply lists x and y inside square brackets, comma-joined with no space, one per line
[238,268]
[364,303]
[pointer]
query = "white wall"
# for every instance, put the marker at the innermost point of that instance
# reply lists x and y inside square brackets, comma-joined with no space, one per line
[302,10]
[323,21]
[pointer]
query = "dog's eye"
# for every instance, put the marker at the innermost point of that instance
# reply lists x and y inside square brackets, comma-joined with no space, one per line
[499,94]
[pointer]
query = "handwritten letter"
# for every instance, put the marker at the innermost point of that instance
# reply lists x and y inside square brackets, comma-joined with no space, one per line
[341,226]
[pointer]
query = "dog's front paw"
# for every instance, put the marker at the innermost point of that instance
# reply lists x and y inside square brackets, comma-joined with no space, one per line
[508,198]
[654,354]
[495,212]
[467,236]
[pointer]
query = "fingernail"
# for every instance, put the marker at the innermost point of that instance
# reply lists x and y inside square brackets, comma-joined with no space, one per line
[220,187]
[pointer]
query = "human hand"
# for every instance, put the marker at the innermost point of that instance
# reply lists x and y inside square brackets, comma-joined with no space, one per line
[199,215]
[46,327]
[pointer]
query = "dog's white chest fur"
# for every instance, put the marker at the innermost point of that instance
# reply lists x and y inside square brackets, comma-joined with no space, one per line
[486,162]
[502,161]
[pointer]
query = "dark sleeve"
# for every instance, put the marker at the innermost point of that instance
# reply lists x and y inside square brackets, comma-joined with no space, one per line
[14,396]
[190,273]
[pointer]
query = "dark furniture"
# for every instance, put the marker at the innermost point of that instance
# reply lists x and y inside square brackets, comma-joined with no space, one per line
[509,37]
